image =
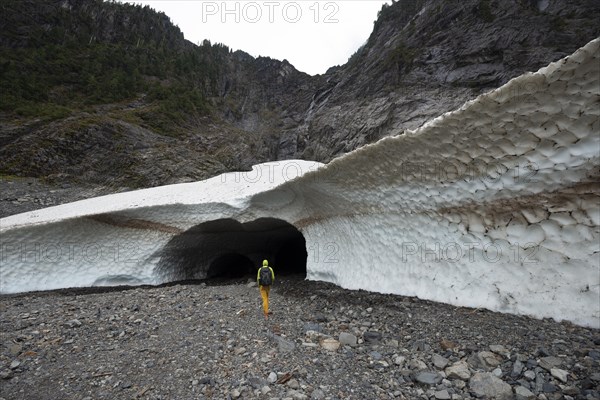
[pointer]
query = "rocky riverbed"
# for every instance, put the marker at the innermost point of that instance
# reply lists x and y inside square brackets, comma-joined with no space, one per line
[199,341]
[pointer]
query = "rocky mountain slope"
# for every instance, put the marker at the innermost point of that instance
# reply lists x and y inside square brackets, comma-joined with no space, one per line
[107,94]
[427,57]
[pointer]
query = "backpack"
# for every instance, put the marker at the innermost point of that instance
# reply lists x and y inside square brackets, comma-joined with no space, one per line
[265,277]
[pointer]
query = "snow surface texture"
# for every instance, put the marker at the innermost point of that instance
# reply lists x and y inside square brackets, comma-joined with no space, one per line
[494,205]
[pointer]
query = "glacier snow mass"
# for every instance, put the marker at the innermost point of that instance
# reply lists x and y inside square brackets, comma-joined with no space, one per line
[494,205]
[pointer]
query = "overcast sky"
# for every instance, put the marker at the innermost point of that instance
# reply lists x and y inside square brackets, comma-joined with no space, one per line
[312,35]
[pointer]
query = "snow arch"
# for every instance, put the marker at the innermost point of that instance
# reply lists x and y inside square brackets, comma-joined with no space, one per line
[493,205]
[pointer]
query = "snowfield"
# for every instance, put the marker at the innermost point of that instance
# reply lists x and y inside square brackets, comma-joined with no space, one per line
[494,205]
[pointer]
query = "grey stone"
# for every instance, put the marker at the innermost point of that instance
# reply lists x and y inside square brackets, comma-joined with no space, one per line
[317,394]
[559,374]
[485,360]
[370,336]
[284,345]
[6,374]
[439,361]
[458,370]
[330,344]
[550,362]
[309,326]
[428,378]
[499,349]
[529,375]
[417,364]
[547,387]
[272,377]
[484,384]
[74,323]
[517,369]
[442,395]
[348,339]
[522,393]
[400,360]
[293,384]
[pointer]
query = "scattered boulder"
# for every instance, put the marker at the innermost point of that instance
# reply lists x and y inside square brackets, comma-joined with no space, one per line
[439,361]
[522,393]
[485,384]
[559,374]
[330,344]
[428,378]
[348,339]
[458,370]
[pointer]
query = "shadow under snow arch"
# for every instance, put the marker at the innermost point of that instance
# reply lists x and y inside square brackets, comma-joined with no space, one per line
[230,249]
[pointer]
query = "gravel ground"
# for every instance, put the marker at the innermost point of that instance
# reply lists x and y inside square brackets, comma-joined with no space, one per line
[197,341]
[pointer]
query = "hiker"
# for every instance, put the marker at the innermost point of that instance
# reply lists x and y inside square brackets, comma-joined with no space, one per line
[265,278]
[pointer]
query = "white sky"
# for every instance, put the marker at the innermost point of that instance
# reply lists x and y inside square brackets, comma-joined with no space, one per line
[312,35]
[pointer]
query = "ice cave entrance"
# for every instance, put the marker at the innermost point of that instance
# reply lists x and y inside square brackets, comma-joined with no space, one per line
[229,249]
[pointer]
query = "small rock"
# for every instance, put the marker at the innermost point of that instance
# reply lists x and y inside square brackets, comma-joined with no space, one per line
[442,395]
[317,394]
[235,394]
[485,360]
[559,374]
[309,326]
[550,362]
[400,360]
[439,361]
[375,355]
[499,349]
[251,284]
[293,384]
[484,384]
[15,364]
[497,372]
[517,369]
[547,387]
[265,390]
[522,393]
[458,370]
[74,323]
[330,344]
[428,378]
[417,364]
[272,377]
[529,375]
[348,339]
[6,374]
[372,336]
[284,345]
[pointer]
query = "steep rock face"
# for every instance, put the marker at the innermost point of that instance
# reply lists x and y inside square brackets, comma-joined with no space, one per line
[428,57]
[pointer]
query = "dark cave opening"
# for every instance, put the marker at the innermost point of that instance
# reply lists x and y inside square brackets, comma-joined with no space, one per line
[230,266]
[228,249]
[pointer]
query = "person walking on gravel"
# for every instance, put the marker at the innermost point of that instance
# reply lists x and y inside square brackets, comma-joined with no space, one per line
[265,279]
